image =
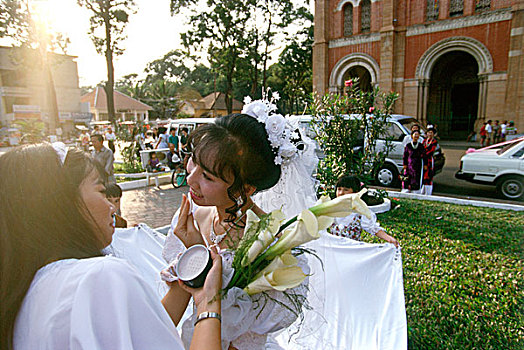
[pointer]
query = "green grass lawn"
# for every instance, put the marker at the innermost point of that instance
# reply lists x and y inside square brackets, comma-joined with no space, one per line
[463,274]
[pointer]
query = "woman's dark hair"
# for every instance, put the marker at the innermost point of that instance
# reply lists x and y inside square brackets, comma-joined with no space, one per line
[42,219]
[432,128]
[414,131]
[113,191]
[349,181]
[236,147]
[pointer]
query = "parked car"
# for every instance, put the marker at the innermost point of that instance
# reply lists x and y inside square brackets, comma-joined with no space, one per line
[500,166]
[399,126]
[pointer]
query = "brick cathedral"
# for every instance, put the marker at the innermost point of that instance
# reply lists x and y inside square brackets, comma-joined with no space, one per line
[455,63]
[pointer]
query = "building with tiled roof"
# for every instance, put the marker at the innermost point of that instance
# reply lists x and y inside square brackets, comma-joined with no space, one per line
[126,107]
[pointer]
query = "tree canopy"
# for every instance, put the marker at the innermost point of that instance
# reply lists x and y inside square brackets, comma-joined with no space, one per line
[107,23]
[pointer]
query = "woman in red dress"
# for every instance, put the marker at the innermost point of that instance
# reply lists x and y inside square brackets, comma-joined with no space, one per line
[430,146]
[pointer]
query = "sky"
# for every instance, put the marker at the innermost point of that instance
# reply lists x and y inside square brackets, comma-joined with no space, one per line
[151,33]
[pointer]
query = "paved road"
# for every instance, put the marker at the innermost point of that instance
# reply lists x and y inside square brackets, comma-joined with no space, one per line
[445,183]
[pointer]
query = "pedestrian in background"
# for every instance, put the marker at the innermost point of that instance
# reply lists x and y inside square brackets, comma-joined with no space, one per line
[489,133]
[496,132]
[104,156]
[413,155]
[430,146]
[85,140]
[110,138]
[162,138]
[511,128]
[483,134]
[503,131]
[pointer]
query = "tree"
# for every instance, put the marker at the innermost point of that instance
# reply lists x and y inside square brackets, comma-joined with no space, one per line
[107,25]
[220,28]
[277,15]
[292,74]
[36,43]
[162,96]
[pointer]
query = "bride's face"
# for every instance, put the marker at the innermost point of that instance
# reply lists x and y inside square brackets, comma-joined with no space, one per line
[207,189]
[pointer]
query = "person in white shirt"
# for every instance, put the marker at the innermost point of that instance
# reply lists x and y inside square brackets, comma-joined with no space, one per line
[489,132]
[110,138]
[503,127]
[58,291]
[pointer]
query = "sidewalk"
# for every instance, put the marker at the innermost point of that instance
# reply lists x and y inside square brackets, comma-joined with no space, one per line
[151,205]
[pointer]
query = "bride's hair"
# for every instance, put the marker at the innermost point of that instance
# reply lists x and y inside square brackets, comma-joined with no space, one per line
[236,146]
[42,219]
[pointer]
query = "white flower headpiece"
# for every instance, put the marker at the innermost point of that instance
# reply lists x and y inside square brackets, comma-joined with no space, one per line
[61,150]
[278,129]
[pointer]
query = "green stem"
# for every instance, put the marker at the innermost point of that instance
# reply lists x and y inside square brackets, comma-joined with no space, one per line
[286,224]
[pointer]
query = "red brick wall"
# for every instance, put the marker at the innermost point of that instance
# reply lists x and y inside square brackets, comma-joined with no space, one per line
[495,36]
[372,49]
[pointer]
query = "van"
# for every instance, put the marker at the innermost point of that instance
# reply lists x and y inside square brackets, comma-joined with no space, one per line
[399,126]
[189,123]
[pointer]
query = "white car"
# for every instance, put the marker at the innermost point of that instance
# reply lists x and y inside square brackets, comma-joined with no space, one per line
[502,166]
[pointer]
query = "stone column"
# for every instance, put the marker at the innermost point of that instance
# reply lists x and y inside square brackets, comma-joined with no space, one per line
[320,47]
[443,11]
[515,84]
[483,94]
[422,100]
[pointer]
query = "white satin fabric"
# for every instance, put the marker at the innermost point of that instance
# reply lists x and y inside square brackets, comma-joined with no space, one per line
[97,303]
[142,247]
[357,298]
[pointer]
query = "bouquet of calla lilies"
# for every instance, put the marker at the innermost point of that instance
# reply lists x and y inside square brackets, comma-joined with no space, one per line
[265,258]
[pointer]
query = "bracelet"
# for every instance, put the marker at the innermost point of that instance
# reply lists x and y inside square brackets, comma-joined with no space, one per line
[206,314]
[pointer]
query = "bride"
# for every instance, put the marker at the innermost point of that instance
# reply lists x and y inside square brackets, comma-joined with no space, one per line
[232,159]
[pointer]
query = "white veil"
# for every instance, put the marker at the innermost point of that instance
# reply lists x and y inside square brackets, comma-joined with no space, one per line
[295,190]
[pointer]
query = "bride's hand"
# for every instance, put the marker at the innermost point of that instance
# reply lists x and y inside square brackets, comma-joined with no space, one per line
[185,228]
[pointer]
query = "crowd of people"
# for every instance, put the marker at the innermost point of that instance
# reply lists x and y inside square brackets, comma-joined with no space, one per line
[492,133]
[59,292]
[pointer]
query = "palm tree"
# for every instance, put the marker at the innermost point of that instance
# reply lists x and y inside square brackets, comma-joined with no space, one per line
[162,96]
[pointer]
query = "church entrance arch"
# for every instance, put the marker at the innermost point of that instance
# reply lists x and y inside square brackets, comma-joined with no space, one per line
[452,86]
[453,95]
[356,65]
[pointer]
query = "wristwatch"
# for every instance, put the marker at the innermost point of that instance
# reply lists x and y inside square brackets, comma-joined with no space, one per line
[207,314]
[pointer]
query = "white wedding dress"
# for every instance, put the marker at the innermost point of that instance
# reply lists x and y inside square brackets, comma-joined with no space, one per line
[356,295]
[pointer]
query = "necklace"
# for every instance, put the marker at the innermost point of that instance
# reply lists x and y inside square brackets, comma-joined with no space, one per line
[216,239]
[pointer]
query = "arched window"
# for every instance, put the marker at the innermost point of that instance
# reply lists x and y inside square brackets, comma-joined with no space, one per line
[483,5]
[365,16]
[456,8]
[432,10]
[348,20]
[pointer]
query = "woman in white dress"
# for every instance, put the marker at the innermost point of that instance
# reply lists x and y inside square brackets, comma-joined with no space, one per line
[232,159]
[57,290]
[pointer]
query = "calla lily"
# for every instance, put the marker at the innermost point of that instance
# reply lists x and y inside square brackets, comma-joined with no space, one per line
[265,237]
[304,231]
[342,206]
[285,260]
[280,279]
